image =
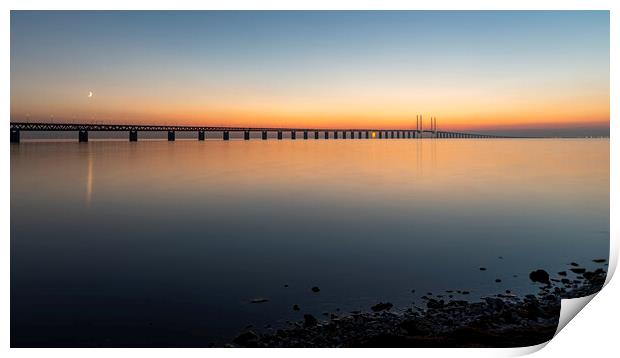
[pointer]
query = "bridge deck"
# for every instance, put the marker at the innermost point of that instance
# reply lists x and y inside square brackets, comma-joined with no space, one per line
[133,129]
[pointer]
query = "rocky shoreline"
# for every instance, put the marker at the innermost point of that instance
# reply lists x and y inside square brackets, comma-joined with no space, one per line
[503,320]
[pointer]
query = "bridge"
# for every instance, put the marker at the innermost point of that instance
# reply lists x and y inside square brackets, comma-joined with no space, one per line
[326,133]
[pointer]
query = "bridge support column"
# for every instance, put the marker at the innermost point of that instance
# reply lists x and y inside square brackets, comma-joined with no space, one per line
[133,136]
[246,135]
[305,134]
[83,136]
[279,135]
[264,135]
[225,135]
[380,134]
[367,135]
[335,134]
[171,136]
[316,134]
[359,135]
[293,134]
[344,135]
[352,135]
[14,135]
[326,135]
[201,135]
[392,133]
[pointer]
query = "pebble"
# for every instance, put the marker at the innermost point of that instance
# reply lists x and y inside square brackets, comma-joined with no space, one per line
[315,289]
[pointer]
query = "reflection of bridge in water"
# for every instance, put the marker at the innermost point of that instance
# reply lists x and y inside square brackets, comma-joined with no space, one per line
[316,133]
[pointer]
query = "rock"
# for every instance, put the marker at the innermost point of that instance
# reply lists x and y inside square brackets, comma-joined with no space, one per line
[434,304]
[295,307]
[465,292]
[540,276]
[382,307]
[285,285]
[498,280]
[508,291]
[259,300]
[315,289]
[562,273]
[565,281]
[578,270]
[246,339]
[309,320]
[483,269]
[412,291]
[494,303]
[574,264]
[599,261]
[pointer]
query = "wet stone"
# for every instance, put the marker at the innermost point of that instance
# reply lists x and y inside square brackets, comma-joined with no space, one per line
[259,300]
[540,276]
[246,339]
[382,307]
[310,321]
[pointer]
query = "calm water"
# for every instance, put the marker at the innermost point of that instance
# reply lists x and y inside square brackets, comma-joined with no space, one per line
[166,244]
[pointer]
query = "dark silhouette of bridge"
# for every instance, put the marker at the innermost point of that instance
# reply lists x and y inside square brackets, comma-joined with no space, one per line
[316,133]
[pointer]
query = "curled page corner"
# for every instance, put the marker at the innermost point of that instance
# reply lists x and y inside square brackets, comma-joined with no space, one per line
[570,308]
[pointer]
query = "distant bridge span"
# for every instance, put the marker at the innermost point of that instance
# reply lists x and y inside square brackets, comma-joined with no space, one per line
[133,129]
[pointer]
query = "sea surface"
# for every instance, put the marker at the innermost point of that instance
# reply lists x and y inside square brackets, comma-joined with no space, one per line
[160,243]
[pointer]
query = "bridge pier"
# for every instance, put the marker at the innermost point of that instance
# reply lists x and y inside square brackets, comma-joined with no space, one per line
[133,136]
[293,134]
[279,135]
[14,135]
[352,135]
[344,135]
[246,135]
[83,136]
[201,135]
[367,135]
[326,135]
[171,136]
[264,135]
[225,135]
[316,134]
[305,134]
[392,133]
[335,134]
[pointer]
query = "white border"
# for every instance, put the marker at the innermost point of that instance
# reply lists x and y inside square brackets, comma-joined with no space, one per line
[592,333]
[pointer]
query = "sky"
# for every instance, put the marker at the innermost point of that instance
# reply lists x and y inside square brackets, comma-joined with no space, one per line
[534,72]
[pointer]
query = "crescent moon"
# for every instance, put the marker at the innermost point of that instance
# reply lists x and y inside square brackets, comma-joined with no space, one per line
[90,94]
